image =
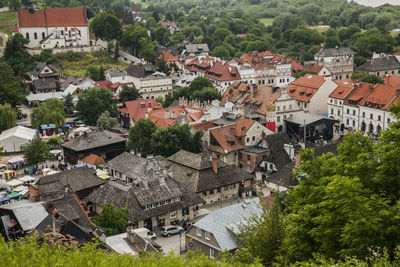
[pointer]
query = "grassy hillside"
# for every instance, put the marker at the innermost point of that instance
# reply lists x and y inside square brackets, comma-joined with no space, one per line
[8,20]
[76,64]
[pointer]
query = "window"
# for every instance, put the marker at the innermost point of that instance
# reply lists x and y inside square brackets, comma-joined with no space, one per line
[347,122]
[331,110]
[354,123]
[388,120]
[290,107]
[278,108]
[254,138]
[348,111]
[226,188]
[204,194]
[35,35]
[248,139]
[27,35]
[207,235]
[379,117]
[219,190]
[371,116]
[338,112]
[363,114]
[305,105]
[62,32]
[43,36]
[354,112]
[278,118]
[212,253]
[211,192]
[198,231]
[233,186]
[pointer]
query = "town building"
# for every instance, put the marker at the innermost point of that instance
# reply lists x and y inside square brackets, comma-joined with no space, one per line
[381,65]
[54,27]
[217,232]
[193,50]
[211,179]
[175,115]
[132,111]
[339,61]
[102,143]
[171,26]
[146,189]
[309,93]
[16,138]
[150,83]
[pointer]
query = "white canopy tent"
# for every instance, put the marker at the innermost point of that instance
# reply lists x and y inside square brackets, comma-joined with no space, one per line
[13,139]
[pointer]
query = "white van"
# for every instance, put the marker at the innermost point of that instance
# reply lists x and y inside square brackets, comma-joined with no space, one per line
[145,233]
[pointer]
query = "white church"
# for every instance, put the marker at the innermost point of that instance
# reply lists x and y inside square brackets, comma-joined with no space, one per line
[54,27]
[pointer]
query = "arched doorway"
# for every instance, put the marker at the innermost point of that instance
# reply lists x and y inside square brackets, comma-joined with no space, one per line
[363,126]
[280,128]
[371,128]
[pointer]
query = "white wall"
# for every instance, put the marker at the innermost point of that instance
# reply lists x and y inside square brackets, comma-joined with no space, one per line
[318,102]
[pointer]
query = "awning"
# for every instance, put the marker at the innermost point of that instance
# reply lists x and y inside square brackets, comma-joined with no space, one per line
[104,176]
[27,179]
[20,188]
[55,151]
[14,195]
[14,183]
[47,126]
[4,199]
[79,165]
[301,118]
[16,160]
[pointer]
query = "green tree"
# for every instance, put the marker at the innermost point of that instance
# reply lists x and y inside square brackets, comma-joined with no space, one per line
[8,117]
[207,94]
[49,112]
[221,52]
[93,102]
[106,26]
[105,121]
[116,51]
[37,151]
[114,220]
[199,83]
[368,78]
[163,67]
[262,236]
[301,73]
[69,106]
[167,141]
[14,4]
[129,94]
[139,137]
[95,73]
[11,90]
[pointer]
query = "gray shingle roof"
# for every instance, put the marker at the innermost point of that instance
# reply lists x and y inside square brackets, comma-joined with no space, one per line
[93,140]
[53,186]
[218,222]
[130,197]
[28,214]
[333,52]
[204,179]
[192,160]
[47,84]
[388,62]
[197,48]
[277,141]
[39,68]
[283,176]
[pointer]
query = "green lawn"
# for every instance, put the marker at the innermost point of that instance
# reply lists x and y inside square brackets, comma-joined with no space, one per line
[75,64]
[8,20]
[266,21]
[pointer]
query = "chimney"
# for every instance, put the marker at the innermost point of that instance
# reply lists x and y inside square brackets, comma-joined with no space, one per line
[167,113]
[214,162]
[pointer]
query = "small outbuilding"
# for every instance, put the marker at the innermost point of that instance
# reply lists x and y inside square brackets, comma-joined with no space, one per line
[15,138]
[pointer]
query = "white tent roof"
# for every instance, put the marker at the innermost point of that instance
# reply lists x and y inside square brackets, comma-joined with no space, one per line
[18,131]
[14,183]
[44,96]
[20,188]
[27,179]
[16,160]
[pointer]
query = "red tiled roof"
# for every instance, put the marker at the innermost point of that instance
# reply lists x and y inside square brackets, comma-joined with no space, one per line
[92,36]
[163,120]
[343,89]
[381,97]
[304,88]
[315,67]
[203,125]
[223,72]
[52,17]
[138,108]
[16,29]
[361,90]
[167,57]
[392,80]
[93,159]
[228,136]
[168,23]
[105,84]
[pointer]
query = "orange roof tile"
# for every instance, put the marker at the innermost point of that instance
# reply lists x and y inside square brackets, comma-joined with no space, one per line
[223,72]
[361,90]
[163,120]
[52,17]
[138,108]
[93,159]
[304,88]
[381,97]
[392,80]
[344,88]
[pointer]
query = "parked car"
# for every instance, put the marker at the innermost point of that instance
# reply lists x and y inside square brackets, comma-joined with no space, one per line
[171,230]
[145,233]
